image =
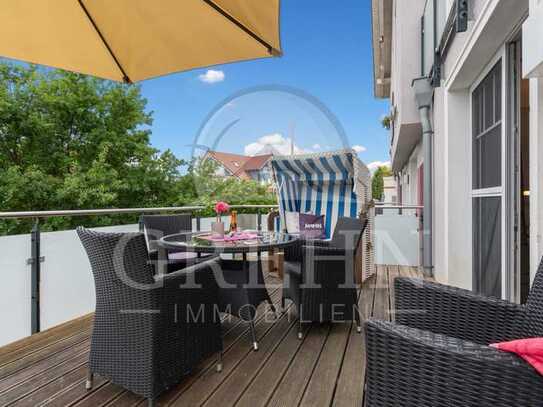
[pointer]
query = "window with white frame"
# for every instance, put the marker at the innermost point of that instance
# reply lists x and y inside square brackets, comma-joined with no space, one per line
[487,183]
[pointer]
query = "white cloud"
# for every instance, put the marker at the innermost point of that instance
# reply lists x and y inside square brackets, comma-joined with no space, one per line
[274,143]
[358,149]
[376,164]
[212,76]
[316,147]
[274,139]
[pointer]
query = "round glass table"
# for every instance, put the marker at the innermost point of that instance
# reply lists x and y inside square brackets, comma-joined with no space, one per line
[203,242]
[241,282]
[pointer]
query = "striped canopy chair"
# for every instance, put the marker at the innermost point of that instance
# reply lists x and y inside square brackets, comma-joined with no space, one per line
[334,184]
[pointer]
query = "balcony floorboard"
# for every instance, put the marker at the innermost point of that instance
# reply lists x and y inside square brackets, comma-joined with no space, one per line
[325,368]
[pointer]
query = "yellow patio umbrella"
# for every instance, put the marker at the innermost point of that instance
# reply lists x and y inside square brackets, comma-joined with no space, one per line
[133,40]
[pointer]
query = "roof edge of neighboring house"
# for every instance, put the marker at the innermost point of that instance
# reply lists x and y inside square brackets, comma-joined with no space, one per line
[258,162]
[381,21]
[211,157]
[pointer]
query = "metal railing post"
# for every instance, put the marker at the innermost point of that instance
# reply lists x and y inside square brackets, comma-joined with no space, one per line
[141,225]
[198,224]
[35,263]
[259,221]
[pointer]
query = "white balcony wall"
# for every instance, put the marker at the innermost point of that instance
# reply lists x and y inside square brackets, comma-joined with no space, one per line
[406,57]
[410,177]
[536,173]
[532,34]
[15,288]
[406,65]
[67,286]
[396,238]
[428,46]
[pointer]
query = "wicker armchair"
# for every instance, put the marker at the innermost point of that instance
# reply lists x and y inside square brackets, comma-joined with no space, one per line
[145,336]
[438,354]
[156,227]
[319,276]
[294,253]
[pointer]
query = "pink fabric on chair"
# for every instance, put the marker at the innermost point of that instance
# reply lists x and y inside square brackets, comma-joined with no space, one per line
[531,350]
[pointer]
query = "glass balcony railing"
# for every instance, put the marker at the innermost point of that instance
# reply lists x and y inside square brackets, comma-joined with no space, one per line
[397,236]
[46,278]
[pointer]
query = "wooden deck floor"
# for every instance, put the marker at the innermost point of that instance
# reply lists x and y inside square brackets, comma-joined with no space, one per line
[326,368]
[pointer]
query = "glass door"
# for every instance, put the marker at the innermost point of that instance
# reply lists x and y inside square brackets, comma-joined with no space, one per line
[487,185]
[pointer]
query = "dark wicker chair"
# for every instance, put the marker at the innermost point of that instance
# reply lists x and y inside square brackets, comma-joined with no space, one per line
[145,338]
[320,275]
[156,227]
[437,353]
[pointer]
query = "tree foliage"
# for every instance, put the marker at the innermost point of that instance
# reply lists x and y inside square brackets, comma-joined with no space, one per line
[210,189]
[386,122]
[377,183]
[69,141]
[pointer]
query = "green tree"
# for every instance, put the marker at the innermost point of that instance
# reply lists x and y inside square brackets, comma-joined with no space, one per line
[209,189]
[386,122]
[69,141]
[377,183]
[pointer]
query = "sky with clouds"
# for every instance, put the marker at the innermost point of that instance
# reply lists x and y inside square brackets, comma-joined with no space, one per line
[317,97]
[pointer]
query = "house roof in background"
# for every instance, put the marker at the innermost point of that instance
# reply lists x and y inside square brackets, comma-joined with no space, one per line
[239,165]
[257,162]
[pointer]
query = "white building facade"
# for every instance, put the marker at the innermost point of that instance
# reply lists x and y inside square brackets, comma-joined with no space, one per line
[484,59]
[390,190]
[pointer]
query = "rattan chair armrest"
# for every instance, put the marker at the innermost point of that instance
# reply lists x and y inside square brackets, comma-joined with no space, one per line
[453,311]
[410,367]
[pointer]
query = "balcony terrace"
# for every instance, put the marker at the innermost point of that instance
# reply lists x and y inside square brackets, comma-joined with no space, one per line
[325,368]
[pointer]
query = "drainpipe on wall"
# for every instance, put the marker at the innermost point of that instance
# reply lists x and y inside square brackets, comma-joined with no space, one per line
[423,96]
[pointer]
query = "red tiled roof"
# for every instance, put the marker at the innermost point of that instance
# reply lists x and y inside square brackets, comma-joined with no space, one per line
[238,164]
[257,162]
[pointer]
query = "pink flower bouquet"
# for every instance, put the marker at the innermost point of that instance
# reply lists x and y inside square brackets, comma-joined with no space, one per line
[218,227]
[221,208]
